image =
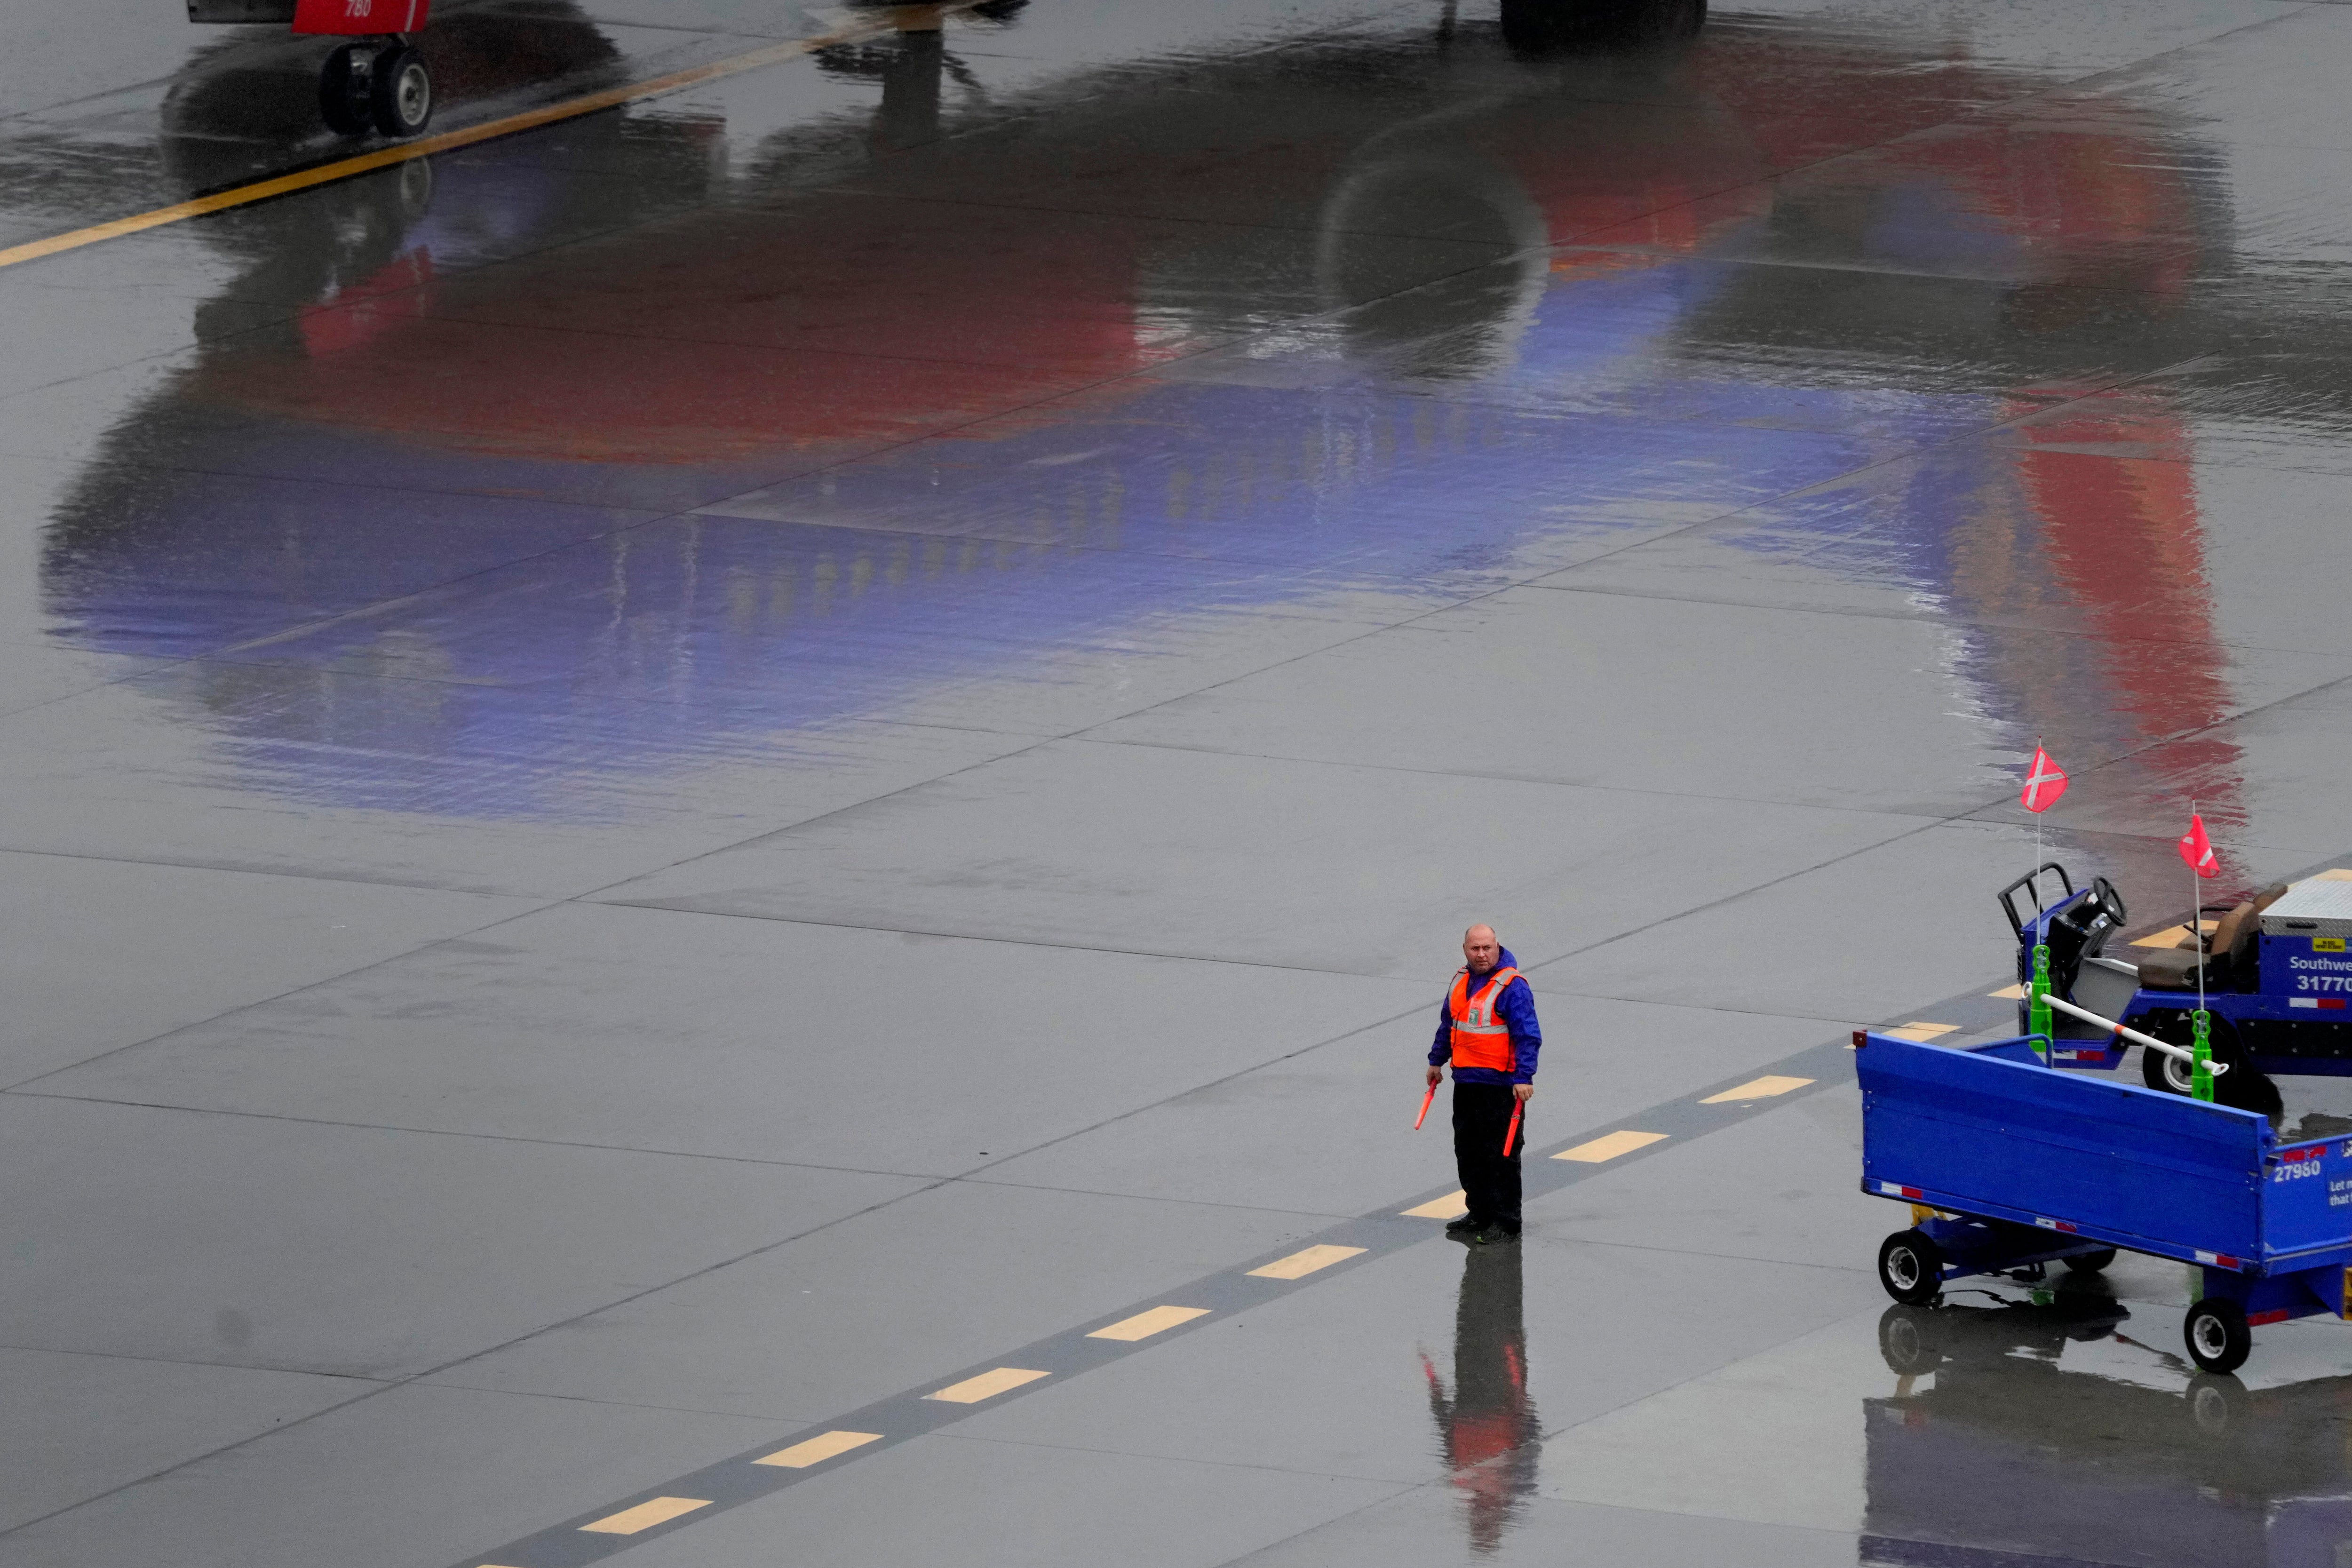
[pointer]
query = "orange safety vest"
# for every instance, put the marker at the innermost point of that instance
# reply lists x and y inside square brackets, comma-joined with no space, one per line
[1479,1040]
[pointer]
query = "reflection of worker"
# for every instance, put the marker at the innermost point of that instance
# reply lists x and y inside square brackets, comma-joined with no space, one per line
[1487,1428]
[1488,1030]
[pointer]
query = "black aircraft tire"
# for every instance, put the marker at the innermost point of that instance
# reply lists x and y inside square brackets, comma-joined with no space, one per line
[1911,1268]
[2091,1262]
[401,97]
[2216,1333]
[344,110]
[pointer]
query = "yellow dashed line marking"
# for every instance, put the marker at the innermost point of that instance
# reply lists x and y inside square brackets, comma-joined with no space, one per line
[987,1386]
[2334,874]
[1453,1206]
[1298,1264]
[2008,994]
[1919,1029]
[1609,1146]
[817,1449]
[1143,1325]
[645,1515]
[2174,936]
[425,146]
[1763,1088]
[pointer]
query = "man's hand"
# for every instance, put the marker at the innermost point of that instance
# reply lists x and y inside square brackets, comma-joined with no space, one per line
[1522,1092]
[1436,1074]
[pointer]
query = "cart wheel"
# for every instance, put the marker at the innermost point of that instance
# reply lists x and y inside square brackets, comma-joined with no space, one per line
[401,97]
[2216,1331]
[1911,1266]
[342,95]
[2091,1262]
[1903,1342]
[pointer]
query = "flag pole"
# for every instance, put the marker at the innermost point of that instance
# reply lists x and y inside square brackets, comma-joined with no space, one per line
[2201,1070]
[2038,1021]
[2037,815]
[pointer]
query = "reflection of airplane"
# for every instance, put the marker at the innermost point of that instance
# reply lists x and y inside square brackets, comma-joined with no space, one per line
[1487,1433]
[414,369]
[2010,1456]
[376,80]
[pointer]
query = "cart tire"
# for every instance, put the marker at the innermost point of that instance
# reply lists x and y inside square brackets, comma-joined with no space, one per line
[342,100]
[2161,1073]
[2091,1262]
[1911,1266]
[401,97]
[2217,1334]
[1903,1342]
[2243,1086]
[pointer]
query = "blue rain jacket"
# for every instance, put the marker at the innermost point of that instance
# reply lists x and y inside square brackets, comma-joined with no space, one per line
[1517,1008]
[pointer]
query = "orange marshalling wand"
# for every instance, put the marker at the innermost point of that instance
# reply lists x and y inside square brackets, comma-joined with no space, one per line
[1424,1108]
[1511,1134]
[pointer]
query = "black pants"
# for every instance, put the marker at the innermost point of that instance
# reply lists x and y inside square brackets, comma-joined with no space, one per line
[1490,1183]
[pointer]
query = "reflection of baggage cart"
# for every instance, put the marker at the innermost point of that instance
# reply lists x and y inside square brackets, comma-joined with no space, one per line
[2025,1434]
[2026,1166]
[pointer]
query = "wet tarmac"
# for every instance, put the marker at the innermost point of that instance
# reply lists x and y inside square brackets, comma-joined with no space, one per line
[786,773]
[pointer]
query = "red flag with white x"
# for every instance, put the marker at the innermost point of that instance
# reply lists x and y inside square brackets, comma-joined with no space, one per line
[2197,849]
[2046,781]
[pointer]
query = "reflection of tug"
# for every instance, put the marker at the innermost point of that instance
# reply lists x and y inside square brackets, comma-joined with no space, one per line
[1993,1453]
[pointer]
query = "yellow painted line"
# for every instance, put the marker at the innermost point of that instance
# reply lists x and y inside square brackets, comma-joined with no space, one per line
[987,1386]
[1609,1146]
[1763,1088]
[645,1515]
[2009,994]
[817,1449]
[1919,1029]
[2335,874]
[1453,1206]
[1143,1325]
[1298,1264]
[897,18]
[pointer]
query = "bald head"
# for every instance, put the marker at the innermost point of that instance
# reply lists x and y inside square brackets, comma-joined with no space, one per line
[1481,949]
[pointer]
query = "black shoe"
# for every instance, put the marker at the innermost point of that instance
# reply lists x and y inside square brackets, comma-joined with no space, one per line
[1467,1225]
[1493,1236]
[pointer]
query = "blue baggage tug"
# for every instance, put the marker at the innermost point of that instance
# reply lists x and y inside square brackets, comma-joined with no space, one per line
[2010,1164]
[2277,974]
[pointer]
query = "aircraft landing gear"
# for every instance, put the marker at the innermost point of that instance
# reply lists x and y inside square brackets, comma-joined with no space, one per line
[380,85]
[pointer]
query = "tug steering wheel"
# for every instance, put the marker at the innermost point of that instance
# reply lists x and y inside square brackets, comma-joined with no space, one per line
[2103,904]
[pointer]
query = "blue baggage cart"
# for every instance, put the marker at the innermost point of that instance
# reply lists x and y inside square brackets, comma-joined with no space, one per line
[2011,1166]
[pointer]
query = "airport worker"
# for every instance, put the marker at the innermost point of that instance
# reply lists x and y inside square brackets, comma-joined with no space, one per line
[1487,1029]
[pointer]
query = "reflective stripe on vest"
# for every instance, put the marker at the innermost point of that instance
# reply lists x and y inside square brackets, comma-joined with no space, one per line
[1479,1040]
